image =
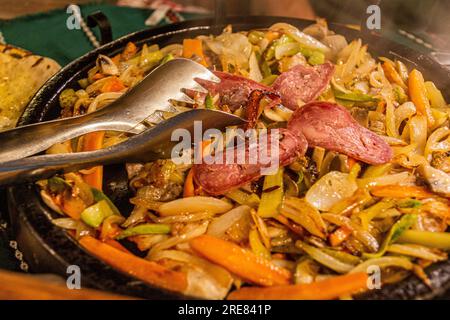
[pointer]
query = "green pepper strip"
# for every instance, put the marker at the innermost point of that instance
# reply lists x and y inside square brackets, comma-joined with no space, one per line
[149,228]
[354,97]
[99,196]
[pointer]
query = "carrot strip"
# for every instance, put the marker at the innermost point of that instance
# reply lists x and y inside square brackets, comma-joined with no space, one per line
[73,206]
[418,95]
[351,162]
[142,269]
[115,244]
[129,51]
[194,47]
[116,59]
[322,290]
[189,190]
[240,261]
[397,191]
[272,35]
[91,142]
[113,84]
[98,76]
[339,236]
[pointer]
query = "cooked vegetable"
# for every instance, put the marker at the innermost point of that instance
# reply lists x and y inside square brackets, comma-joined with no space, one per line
[148,228]
[395,232]
[383,262]
[194,204]
[331,288]
[305,215]
[91,142]
[257,246]
[392,74]
[438,240]
[435,96]
[243,197]
[193,48]
[330,189]
[354,97]
[220,225]
[272,195]
[438,180]
[324,258]
[416,251]
[399,191]
[99,196]
[338,236]
[240,261]
[418,94]
[147,271]
[189,189]
[94,215]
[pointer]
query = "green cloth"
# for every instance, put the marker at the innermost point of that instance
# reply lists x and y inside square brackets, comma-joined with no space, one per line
[46,34]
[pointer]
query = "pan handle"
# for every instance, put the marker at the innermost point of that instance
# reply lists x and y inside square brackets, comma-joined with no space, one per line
[99,19]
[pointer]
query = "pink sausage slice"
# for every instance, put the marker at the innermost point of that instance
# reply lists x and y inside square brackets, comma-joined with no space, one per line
[302,83]
[331,126]
[233,90]
[218,179]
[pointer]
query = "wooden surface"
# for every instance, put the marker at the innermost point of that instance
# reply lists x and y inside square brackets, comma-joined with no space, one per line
[16,286]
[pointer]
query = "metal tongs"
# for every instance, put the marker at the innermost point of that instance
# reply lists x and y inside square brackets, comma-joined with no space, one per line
[129,113]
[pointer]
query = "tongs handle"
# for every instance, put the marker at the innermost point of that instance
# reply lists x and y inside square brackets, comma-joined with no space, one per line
[45,166]
[31,139]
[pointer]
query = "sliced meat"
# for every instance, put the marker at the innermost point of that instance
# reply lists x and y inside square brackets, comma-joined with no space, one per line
[233,90]
[331,126]
[301,83]
[218,179]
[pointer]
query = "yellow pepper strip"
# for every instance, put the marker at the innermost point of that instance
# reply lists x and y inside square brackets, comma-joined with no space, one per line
[256,245]
[272,195]
[418,95]
[392,74]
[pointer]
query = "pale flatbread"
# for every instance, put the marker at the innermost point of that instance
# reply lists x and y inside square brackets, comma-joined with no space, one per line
[21,75]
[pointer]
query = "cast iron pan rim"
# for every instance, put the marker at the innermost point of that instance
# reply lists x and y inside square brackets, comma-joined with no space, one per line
[27,202]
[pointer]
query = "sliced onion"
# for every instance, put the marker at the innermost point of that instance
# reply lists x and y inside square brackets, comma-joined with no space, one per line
[325,259]
[137,215]
[254,70]
[383,262]
[330,189]
[193,205]
[418,132]
[193,217]
[439,140]
[207,280]
[220,225]
[299,36]
[103,99]
[48,200]
[416,251]
[193,231]
[66,223]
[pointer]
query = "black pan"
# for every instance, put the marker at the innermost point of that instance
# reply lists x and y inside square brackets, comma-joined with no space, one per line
[48,248]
